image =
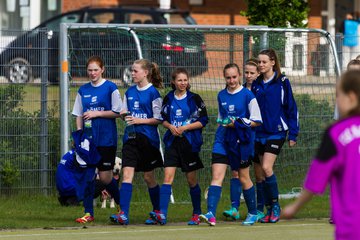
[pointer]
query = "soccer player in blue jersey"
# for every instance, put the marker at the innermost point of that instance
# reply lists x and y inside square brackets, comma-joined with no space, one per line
[234,143]
[184,115]
[280,120]
[98,103]
[251,72]
[141,142]
[65,181]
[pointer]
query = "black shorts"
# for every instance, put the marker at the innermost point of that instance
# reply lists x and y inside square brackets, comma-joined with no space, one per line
[107,160]
[271,146]
[141,155]
[179,154]
[235,164]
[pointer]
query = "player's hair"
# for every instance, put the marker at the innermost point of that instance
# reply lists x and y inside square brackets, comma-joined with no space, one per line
[154,72]
[95,59]
[176,72]
[358,57]
[231,65]
[350,82]
[353,62]
[272,55]
[253,62]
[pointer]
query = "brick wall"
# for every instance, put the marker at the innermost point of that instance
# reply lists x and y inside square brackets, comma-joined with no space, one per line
[212,12]
[69,5]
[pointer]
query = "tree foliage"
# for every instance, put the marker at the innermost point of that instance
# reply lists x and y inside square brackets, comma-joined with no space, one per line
[277,13]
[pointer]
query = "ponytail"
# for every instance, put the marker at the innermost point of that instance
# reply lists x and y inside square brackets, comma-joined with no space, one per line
[153,76]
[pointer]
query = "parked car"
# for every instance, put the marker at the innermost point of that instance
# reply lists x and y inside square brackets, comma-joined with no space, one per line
[21,61]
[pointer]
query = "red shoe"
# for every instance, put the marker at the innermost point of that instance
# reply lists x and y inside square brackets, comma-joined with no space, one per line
[195,220]
[275,214]
[87,218]
[120,218]
[266,219]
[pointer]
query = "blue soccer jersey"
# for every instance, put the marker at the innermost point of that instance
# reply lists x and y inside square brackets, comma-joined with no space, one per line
[181,111]
[144,103]
[239,104]
[102,97]
[65,181]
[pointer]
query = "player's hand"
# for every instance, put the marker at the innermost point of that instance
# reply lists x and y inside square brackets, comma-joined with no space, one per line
[130,120]
[174,130]
[231,124]
[292,143]
[181,129]
[90,115]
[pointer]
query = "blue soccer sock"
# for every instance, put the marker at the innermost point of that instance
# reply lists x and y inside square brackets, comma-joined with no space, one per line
[125,197]
[113,189]
[89,197]
[213,198]
[249,196]
[155,197]
[272,186]
[165,192]
[235,192]
[195,194]
[260,196]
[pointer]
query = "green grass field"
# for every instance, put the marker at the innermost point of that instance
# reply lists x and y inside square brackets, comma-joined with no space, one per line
[294,229]
[40,217]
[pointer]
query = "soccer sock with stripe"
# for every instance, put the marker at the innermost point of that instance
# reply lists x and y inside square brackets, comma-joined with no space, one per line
[195,193]
[260,196]
[165,192]
[155,197]
[113,189]
[125,197]
[235,192]
[213,198]
[89,197]
[249,196]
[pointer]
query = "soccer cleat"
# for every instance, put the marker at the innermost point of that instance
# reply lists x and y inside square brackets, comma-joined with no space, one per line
[260,215]
[250,219]
[209,218]
[87,218]
[120,218]
[151,221]
[195,220]
[158,217]
[266,218]
[275,214]
[233,213]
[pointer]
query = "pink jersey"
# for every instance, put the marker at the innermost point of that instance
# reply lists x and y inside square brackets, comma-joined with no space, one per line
[338,162]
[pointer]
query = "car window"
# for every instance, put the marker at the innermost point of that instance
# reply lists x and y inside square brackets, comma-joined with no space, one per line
[138,18]
[101,17]
[175,19]
[69,18]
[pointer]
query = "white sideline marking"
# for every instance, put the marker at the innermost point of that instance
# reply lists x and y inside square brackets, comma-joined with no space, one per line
[144,230]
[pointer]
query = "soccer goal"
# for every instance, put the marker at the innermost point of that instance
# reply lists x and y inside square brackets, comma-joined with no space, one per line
[307,56]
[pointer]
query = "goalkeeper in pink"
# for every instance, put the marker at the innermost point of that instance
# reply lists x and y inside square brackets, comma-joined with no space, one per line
[337,163]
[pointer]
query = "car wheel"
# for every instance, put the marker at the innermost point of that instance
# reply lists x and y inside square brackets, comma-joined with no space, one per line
[126,76]
[19,71]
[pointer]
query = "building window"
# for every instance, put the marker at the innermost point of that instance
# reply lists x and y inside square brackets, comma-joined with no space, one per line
[298,57]
[196,2]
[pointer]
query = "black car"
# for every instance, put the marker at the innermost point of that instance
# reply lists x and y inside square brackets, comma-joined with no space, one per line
[22,60]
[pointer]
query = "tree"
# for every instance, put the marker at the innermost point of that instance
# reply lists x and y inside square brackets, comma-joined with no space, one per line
[277,13]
